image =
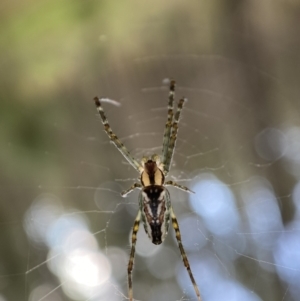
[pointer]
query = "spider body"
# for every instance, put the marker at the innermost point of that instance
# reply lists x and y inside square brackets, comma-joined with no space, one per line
[155,210]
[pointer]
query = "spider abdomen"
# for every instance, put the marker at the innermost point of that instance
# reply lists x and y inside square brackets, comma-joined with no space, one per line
[155,208]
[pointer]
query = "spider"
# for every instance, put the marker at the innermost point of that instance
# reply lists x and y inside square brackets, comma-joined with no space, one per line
[155,208]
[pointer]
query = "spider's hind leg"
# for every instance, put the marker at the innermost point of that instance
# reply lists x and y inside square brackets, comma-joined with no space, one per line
[132,252]
[183,254]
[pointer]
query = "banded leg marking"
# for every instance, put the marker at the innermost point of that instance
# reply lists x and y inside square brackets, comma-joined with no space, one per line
[173,136]
[183,254]
[135,230]
[184,188]
[135,185]
[115,140]
[168,127]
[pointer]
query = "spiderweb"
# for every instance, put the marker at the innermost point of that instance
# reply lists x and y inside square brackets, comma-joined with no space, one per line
[65,228]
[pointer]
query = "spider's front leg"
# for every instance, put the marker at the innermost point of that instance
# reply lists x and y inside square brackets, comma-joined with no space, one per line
[168,126]
[173,136]
[114,139]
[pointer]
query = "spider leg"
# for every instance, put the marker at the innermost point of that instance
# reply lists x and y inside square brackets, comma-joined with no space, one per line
[115,140]
[173,136]
[183,254]
[135,230]
[135,185]
[168,127]
[171,183]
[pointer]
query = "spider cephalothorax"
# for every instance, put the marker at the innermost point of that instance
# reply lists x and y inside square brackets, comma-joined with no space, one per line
[152,174]
[155,208]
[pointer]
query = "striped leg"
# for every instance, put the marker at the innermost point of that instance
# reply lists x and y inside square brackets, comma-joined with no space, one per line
[115,140]
[171,183]
[183,254]
[173,136]
[168,127]
[131,259]
[135,185]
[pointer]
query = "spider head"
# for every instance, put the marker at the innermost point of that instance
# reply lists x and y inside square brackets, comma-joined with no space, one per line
[152,174]
[150,167]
